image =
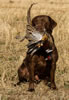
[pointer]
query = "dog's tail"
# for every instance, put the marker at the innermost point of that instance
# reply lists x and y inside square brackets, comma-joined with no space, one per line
[29,13]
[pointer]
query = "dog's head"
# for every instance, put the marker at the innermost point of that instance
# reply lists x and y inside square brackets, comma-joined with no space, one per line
[44,23]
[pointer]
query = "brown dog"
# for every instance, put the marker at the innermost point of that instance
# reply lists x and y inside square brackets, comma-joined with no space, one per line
[36,67]
[45,23]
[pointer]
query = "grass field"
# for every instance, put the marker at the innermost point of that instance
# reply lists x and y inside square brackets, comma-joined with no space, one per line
[12,52]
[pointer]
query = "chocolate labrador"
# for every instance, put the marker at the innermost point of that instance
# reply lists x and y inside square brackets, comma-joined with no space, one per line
[42,64]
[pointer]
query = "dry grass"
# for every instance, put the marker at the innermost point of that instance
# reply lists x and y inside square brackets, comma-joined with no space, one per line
[12,52]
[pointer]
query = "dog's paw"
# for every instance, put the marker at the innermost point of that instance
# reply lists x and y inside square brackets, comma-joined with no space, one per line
[37,81]
[31,89]
[53,86]
[18,83]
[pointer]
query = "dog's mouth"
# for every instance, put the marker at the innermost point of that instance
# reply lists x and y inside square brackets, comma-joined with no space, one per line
[34,47]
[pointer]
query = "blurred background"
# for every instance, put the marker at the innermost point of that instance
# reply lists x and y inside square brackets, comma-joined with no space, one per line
[13,22]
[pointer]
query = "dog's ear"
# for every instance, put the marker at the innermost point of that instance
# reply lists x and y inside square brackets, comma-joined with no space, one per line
[53,23]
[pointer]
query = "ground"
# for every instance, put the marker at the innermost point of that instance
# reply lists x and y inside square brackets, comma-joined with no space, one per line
[13,22]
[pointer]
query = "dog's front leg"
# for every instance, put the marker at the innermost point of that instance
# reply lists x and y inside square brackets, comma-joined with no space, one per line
[31,77]
[53,65]
[53,69]
[52,75]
